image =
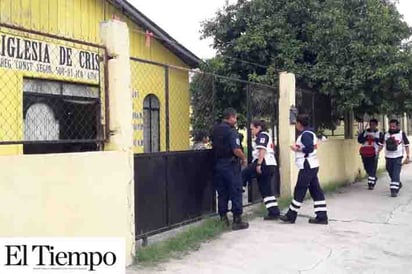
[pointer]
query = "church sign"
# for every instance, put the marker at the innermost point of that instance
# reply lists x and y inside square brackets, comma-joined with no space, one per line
[18,53]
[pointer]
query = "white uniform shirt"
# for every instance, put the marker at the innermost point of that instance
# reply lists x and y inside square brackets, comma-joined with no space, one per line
[264,141]
[311,157]
[402,141]
[371,138]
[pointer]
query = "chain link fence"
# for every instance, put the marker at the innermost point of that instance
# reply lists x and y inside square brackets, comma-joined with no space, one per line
[264,106]
[149,101]
[321,110]
[51,93]
[203,114]
[175,109]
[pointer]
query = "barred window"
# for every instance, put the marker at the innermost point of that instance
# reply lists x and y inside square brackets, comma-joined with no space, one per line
[40,123]
[60,117]
[151,116]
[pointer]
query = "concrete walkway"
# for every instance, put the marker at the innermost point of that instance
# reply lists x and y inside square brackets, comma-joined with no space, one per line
[369,232]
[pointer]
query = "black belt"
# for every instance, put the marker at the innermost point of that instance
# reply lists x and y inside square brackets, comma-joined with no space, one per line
[233,158]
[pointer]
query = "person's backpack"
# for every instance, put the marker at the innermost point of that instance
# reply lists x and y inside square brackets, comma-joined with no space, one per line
[391,144]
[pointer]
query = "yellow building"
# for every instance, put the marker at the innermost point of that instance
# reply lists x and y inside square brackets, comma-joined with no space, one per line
[52,78]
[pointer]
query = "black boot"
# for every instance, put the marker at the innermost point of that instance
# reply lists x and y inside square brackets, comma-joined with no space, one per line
[238,223]
[318,221]
[273,214]
[271,217]
[394,193]
[371,186]
[225,220]
[287,219]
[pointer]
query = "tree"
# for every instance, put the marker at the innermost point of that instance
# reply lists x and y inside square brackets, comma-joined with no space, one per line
[215,88]
[212,90]
[352,50]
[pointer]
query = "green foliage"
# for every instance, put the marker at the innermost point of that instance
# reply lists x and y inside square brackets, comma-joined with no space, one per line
[211,94]
[352,50]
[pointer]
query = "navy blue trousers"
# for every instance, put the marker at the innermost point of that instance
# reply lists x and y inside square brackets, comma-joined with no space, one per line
[228,184]
[394,167]
[371,165]
[264,181]
[308,179]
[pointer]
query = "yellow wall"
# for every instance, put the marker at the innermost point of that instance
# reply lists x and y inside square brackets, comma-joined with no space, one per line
[179,110]
[339,161]
[150,79]
[71,195]
[11,114]
[80,19]
[147,79]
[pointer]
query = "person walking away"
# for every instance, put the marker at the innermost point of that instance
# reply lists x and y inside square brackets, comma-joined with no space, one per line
[228,160]
[263,167]
[307,161]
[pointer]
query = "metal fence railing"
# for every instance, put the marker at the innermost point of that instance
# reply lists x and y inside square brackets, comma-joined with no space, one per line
[52,92]
[320,109]
[176,196]
[175,110]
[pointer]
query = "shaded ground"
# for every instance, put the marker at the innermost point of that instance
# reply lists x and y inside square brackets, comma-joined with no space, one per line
[369,232]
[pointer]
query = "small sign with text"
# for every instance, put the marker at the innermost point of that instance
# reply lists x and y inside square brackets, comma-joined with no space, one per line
[62,255]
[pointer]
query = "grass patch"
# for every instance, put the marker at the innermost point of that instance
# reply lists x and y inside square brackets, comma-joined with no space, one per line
[181,243]
[284,202]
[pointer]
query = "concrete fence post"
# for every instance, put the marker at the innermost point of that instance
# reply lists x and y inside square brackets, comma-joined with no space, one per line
[115,36]
[287,99]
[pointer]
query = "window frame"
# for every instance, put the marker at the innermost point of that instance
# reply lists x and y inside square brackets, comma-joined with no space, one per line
[151,104]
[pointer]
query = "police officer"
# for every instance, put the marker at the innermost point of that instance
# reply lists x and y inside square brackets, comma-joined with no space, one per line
[371,140]
[228,160]
[307,161]
[263,167]
[396,142]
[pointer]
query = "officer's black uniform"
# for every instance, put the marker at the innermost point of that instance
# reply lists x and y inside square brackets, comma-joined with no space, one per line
[228,181]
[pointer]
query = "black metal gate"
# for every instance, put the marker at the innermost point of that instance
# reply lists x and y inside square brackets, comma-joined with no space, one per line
[172,188]
[175,187]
